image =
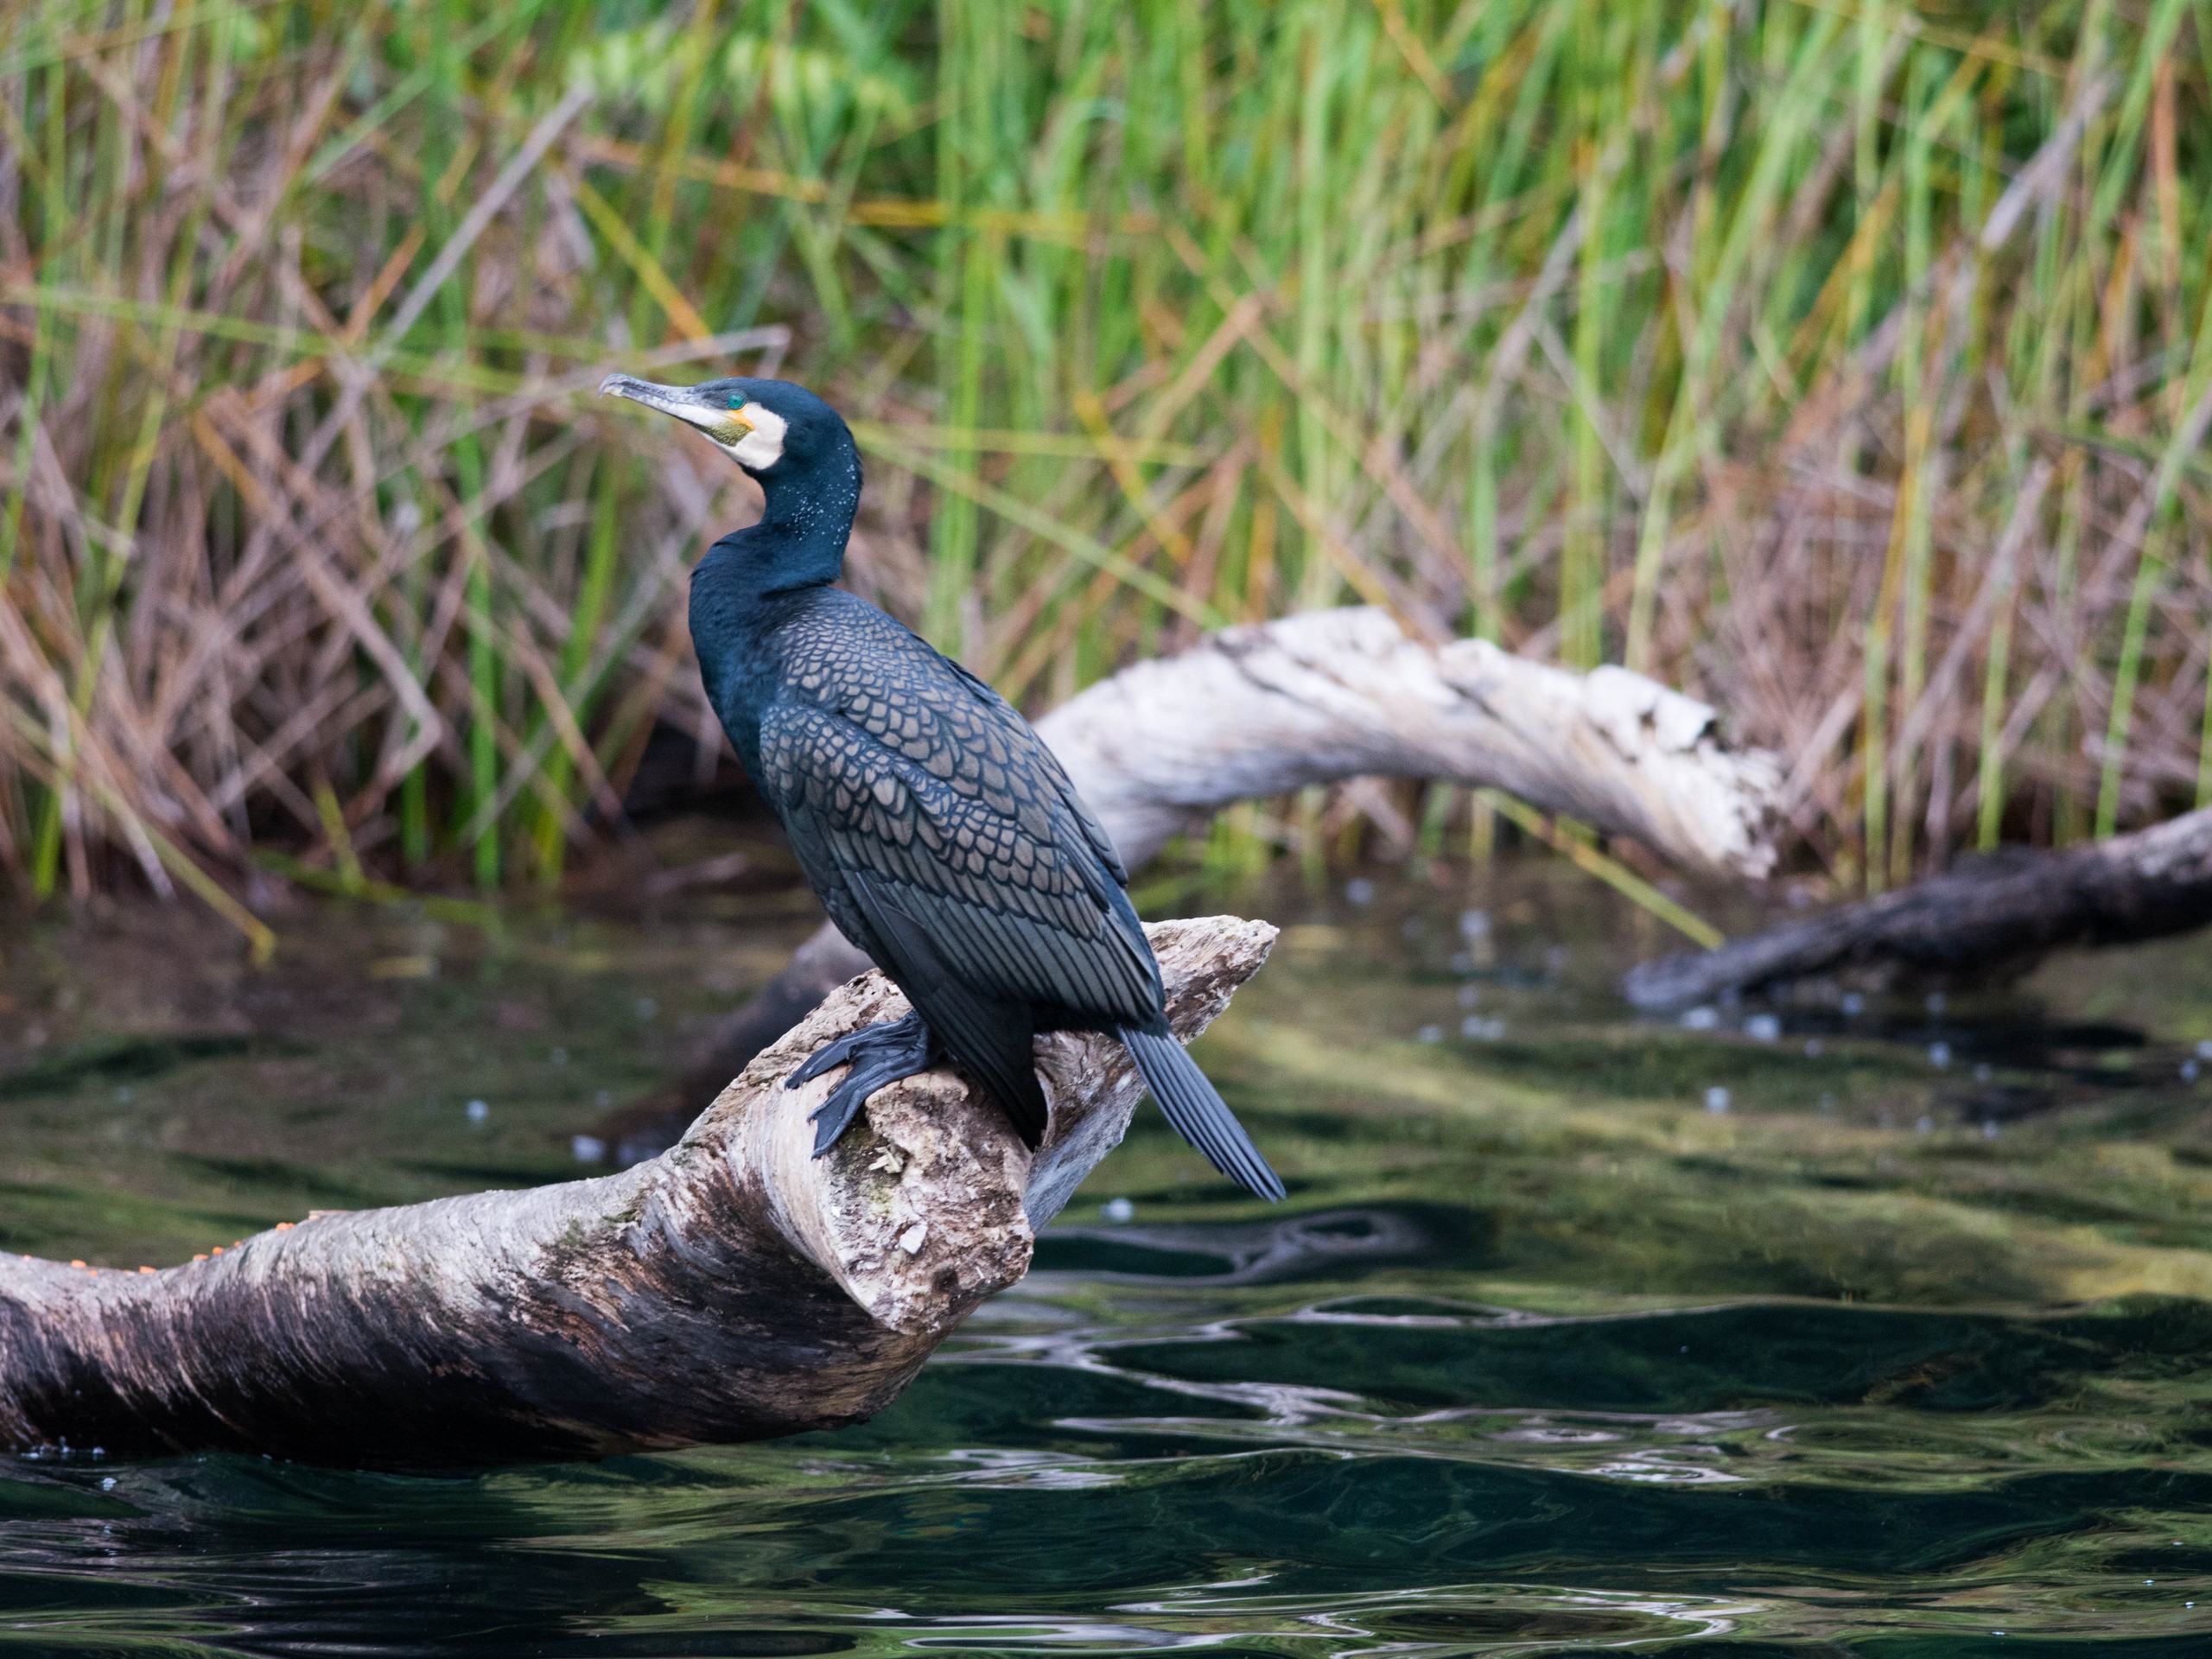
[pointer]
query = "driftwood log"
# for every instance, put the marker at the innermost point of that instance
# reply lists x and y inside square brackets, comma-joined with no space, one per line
[1986,919]
[1318,698]
[733,1288]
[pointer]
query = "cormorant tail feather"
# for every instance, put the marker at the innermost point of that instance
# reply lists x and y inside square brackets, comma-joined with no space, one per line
[1197,1113]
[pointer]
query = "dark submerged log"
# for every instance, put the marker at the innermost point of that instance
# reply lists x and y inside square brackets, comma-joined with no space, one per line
[733,1288]
[1986,919]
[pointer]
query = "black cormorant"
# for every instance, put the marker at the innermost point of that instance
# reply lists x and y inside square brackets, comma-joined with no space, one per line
[941,835]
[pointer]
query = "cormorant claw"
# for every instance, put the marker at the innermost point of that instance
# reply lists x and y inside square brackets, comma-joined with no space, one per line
[879,1055]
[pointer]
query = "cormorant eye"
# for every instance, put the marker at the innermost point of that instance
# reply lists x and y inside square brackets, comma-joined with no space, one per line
[737,402]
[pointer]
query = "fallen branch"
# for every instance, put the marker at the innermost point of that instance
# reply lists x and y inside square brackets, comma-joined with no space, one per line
[1318,698]
[731,1289]
[1987,918]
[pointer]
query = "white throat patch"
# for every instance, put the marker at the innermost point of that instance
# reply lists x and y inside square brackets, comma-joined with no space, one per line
[763,447]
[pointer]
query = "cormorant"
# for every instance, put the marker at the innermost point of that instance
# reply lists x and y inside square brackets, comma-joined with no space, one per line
[941,835]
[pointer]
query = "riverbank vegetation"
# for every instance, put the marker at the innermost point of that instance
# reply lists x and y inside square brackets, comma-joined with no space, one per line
[1849,367]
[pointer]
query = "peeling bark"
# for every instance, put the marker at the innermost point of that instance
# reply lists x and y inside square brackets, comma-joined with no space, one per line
[733,1288]
[1986,919]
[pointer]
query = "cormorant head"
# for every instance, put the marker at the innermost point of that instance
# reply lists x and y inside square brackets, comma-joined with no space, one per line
[776,430]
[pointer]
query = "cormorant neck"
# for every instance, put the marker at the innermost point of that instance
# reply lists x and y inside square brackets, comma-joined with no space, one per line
[805,521]
[739,588]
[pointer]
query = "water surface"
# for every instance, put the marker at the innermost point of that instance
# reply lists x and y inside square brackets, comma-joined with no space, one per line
[1859,1325]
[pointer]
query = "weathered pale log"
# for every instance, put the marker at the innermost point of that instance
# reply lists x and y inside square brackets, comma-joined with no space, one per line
[1985,919]
[1320,697]
[733,1288]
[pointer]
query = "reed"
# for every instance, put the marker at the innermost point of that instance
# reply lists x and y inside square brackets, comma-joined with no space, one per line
[1848,365]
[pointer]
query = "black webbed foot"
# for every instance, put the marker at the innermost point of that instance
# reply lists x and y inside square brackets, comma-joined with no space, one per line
[879,1055]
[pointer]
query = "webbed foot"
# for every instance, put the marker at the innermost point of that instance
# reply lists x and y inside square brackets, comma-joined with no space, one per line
[879,1055]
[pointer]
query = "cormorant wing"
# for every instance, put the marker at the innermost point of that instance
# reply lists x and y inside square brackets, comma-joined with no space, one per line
[1023,734]
[960,832]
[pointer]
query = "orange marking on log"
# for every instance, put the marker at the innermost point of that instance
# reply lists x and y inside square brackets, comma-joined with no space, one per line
[76,1264]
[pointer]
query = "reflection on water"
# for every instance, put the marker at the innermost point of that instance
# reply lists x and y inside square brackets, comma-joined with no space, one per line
[1851,1326]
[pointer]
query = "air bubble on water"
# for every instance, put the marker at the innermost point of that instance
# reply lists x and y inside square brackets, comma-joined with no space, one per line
[1700,1020]
[1359,890]
[1763,1028]
[588,1148]
[1716,1100]
[1118,1210]
[477,1111]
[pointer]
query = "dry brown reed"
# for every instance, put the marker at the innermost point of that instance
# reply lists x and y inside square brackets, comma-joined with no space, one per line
[1850,366]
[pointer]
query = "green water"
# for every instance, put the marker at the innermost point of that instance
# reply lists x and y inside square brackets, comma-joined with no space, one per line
[1900,1353]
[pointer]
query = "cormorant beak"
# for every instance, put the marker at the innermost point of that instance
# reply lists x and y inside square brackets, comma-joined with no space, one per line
[724,425]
